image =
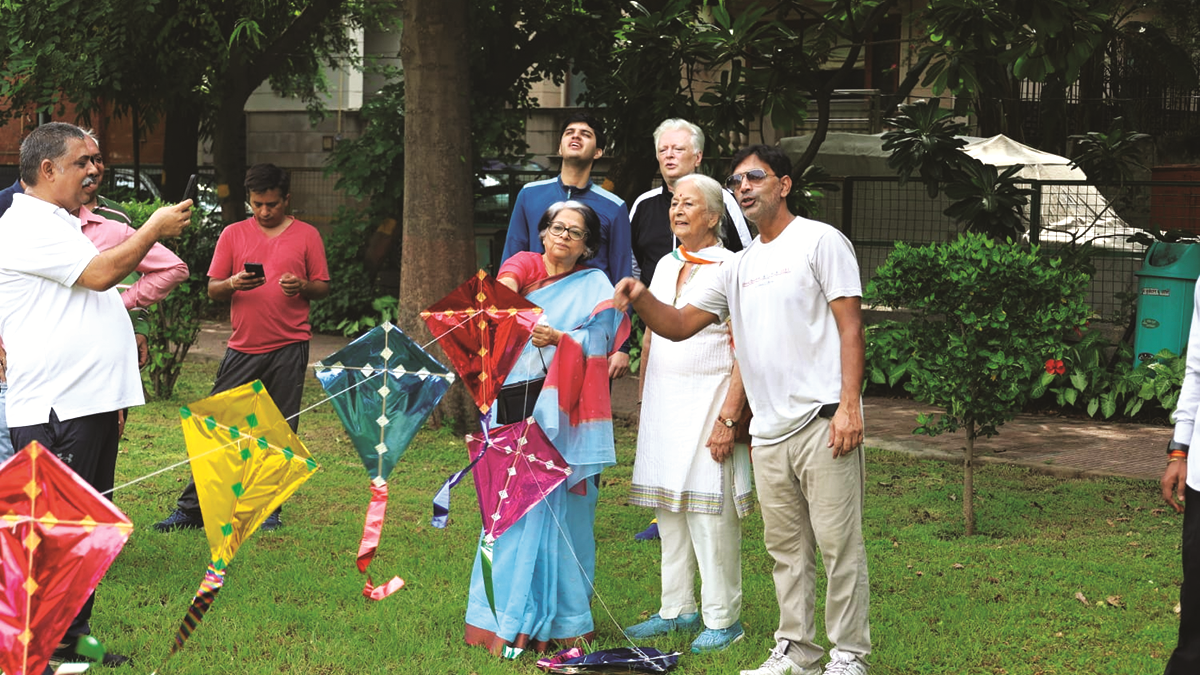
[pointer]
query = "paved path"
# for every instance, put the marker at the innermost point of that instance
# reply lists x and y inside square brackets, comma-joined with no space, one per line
[1061,446]
[1056,445]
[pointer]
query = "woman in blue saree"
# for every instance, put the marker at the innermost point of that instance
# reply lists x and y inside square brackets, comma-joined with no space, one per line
[544,565]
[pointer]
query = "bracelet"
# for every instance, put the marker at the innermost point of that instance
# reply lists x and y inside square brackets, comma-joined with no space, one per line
[1175,446]
[1176,459]
[231,286]
[1175,454]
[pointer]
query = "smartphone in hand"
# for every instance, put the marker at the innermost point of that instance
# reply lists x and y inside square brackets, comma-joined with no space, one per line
[255,269]
[191,192]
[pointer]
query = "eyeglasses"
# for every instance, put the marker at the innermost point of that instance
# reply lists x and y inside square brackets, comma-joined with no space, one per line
[573,233]
[755,176]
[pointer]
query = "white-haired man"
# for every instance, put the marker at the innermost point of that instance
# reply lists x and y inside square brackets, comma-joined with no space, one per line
[679,145]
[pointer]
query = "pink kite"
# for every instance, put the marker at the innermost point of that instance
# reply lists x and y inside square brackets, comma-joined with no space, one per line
[515,467]
[58,538]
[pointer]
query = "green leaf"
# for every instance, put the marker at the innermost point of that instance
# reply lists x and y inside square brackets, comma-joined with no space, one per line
[1108,404]
[1078,380]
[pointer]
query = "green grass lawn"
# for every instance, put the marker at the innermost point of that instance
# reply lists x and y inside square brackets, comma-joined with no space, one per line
[1069,576]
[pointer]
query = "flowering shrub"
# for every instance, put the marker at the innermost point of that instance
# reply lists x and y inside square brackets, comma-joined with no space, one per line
[984,317]
[1095,377]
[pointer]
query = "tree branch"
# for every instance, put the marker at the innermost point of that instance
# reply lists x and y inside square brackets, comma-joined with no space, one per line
[260,67]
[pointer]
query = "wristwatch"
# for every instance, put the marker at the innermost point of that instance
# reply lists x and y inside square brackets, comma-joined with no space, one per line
[728,423]
[1176,446]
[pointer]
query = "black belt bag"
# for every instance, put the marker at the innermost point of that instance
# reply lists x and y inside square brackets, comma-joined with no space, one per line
[515,401]
[827,411]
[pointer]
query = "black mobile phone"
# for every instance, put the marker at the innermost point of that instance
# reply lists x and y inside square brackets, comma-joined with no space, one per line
[255,269]
[190,191]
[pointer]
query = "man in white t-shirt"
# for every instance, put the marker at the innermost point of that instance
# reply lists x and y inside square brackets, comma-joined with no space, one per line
[71,356]
[794,300]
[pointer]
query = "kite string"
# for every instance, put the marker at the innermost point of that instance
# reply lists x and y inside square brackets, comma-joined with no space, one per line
[367,379]
[287,419]
[232,443]
[453,328]
[591,582]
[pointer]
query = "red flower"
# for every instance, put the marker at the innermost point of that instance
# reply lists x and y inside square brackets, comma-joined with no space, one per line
[1055,367]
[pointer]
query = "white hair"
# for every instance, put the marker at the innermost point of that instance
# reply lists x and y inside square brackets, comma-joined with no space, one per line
[713,195]
[676,124]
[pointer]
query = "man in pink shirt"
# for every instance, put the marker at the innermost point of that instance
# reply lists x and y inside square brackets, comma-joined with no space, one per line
[161,270]
[6,448]
[269,267]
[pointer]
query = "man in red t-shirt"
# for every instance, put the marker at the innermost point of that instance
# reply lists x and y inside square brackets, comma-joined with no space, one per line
[269,267]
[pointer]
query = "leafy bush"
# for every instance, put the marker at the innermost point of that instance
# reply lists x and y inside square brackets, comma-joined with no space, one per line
[174,323]
[351,304]
[1083,381]
[386,308]
[985,317]
[1098,378]
[925,141]
[889,355]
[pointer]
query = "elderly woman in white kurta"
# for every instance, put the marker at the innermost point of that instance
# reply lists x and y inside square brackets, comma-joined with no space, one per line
[688,467]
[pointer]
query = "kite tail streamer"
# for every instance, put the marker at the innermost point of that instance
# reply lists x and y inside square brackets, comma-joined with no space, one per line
[485,562]
[441,501]
[372,528]
[213,580]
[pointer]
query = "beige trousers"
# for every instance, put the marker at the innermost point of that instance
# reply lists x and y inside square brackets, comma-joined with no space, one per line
[810,500]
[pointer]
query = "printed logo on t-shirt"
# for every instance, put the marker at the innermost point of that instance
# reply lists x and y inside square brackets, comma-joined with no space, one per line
[766,278]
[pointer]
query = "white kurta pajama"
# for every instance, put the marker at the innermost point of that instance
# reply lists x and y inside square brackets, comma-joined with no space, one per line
[697,501]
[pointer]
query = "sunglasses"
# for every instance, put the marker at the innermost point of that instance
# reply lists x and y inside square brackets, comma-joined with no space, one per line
[573,233]
[755,176]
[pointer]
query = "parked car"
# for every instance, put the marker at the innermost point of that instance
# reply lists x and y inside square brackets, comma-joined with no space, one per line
[207,201]
[119,186]
[497,184]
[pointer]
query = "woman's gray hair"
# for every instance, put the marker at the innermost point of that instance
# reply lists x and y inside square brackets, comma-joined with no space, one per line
[591,221]
[713,195]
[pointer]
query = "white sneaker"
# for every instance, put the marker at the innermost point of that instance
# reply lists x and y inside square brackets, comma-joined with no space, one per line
[841,663]
[779,664]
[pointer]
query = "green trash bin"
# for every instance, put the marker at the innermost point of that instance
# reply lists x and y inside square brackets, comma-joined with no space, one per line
[1166,287]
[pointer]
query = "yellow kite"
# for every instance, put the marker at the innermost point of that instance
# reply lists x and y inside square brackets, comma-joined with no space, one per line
[246,461]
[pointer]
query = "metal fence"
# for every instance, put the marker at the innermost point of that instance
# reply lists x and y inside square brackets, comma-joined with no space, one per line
[875,212]
[1062,216]
[314,199]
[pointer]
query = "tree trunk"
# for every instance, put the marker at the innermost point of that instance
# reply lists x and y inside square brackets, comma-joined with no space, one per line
[229,158]
[1052,115]
[969,480]
[137,154]
[181,134]
[438,239]
[631,176]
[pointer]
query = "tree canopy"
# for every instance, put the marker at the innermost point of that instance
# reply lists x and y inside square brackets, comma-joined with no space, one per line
[189,64]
